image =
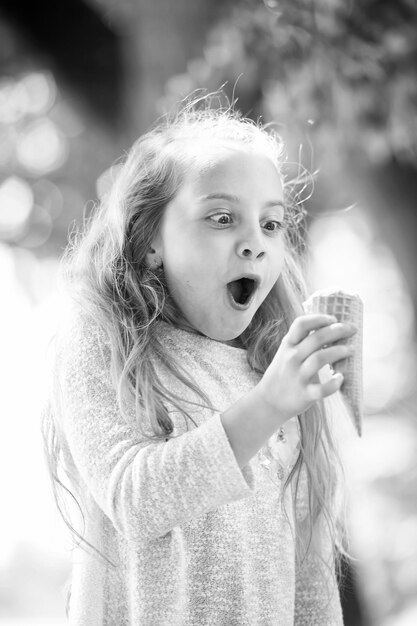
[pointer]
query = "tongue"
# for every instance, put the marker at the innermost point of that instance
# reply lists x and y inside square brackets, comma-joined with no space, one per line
[235,289]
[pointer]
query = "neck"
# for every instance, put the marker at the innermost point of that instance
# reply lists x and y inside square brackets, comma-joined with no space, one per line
[184,325]
[235,343]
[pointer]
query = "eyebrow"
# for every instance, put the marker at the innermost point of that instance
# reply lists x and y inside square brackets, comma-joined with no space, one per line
[236,200]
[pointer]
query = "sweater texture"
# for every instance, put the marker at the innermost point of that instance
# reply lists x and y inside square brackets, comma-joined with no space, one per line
[193,539]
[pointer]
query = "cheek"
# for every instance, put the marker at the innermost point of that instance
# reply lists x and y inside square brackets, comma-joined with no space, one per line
[190,263]
[176,257]
[183,272]
[278,255]
[184,279]
[277,264]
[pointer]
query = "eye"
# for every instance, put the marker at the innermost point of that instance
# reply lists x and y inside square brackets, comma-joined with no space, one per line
[222,219]
[273,225]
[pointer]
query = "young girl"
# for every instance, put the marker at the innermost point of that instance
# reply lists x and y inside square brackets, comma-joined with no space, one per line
[188,411]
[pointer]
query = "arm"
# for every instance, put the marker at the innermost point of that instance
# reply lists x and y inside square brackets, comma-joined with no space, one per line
[247,433]
[146,489]
[289,386]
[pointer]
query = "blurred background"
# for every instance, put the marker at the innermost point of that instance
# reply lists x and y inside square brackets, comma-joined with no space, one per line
[79,81]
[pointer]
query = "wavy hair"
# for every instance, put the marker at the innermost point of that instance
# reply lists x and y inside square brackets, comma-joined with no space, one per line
[104,269]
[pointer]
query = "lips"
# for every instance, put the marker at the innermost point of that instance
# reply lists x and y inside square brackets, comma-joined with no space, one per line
[242,290]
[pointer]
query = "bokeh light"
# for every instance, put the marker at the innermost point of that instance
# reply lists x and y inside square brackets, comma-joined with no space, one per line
[39,229]
[65,116]
[38,91]
[8,139]
[10,105]
[49,196]
[16,202]
[32,94]
[346,254]
[41,147]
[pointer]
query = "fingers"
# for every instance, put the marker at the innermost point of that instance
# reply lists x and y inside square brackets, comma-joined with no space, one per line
[305,324]
[319,391]
[325,336]
[318,359]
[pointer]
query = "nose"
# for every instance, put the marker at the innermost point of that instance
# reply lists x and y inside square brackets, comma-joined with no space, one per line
[250,248]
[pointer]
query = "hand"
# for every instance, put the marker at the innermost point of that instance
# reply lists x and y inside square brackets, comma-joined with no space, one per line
[291,384]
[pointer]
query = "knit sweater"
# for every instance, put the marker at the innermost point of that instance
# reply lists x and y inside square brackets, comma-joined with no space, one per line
[193,539]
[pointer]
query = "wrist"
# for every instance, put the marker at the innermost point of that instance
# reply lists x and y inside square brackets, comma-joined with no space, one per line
[266,409]
[249,423]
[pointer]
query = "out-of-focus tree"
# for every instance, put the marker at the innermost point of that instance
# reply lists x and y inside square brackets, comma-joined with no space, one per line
[340,79]
[348,69]
[75,90]
[158,38]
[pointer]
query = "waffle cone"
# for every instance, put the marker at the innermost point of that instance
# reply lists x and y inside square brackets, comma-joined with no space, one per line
[346,307]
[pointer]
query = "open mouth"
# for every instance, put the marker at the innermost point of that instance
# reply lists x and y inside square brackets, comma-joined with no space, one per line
[242,290]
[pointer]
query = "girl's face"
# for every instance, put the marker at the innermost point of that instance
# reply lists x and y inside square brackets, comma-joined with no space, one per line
[220,239]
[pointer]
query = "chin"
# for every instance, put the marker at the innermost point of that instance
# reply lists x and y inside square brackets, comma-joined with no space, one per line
[225,334]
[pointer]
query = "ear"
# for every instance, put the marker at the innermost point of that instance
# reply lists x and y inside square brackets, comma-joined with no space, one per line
[153,259]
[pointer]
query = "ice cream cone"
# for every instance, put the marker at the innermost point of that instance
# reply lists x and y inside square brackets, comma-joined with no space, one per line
[346,307]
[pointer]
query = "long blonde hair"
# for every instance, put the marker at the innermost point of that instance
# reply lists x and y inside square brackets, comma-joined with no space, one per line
[104,269]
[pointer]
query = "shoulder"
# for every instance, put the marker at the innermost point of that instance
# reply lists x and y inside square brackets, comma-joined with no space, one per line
[80,336]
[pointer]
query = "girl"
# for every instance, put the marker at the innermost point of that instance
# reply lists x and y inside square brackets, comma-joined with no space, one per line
[188,412]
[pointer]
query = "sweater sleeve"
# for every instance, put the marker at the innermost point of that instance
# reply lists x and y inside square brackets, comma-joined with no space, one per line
[145,488]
